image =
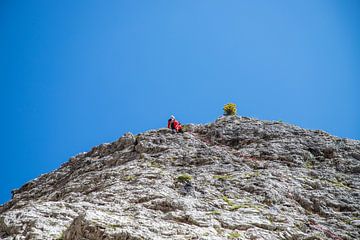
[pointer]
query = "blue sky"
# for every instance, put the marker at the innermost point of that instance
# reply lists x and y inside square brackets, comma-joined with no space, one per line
[75,74]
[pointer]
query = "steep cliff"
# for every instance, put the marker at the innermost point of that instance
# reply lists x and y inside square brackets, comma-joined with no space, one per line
[236,178]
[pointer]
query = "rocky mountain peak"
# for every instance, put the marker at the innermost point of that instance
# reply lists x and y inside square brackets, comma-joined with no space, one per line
[236,178]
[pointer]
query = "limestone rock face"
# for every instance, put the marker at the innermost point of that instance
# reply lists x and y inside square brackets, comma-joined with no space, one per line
[236,178]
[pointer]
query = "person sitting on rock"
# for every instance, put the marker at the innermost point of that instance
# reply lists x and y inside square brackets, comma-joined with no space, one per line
[174,125]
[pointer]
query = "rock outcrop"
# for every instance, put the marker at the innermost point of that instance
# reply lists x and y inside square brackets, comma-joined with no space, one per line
[236,178]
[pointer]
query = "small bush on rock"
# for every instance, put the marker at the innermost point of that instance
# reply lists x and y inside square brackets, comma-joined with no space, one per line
[129,178]
[230,109]
[184,178]
[227,200]
[234,235]
[61,237]
[186,128]
[223,177]
[215,212]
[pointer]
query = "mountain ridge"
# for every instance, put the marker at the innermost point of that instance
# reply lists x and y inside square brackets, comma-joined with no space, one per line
[236,178]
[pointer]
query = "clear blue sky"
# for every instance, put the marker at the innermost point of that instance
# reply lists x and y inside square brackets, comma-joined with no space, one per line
[75,74]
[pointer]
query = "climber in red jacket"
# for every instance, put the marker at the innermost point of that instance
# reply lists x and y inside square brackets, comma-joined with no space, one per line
[174,125]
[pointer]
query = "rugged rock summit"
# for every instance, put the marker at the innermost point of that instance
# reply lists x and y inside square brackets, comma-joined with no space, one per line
[236,178]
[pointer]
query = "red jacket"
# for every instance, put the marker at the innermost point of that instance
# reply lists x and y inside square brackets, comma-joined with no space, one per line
[174,125]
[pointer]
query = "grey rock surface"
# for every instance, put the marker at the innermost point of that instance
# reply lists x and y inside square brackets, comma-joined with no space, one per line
[236,178]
